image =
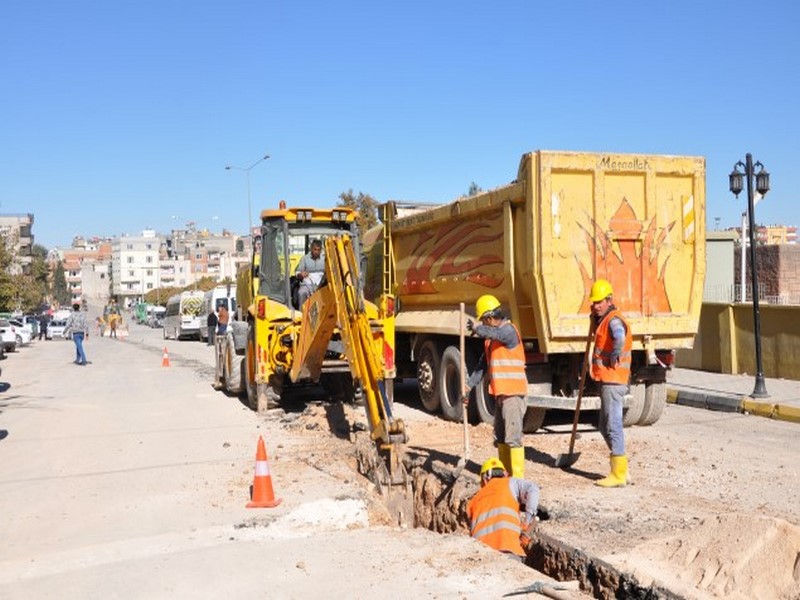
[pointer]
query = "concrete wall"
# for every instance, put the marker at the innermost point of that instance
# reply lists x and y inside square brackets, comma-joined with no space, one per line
[726,343]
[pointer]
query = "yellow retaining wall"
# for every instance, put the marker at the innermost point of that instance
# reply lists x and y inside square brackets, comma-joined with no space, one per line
[725,342]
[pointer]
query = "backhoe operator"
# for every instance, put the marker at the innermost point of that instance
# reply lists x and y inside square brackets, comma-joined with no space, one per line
[309,272]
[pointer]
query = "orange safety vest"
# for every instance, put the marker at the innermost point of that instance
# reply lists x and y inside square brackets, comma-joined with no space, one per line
[506,368]
[494,517]
[604,346]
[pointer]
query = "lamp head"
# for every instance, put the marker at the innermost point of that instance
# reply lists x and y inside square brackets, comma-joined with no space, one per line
[736,179]
[762,180]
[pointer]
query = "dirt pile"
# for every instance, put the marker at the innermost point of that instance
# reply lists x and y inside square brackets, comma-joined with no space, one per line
[732,556]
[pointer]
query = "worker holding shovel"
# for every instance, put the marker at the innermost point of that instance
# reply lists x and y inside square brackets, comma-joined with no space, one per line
[504,361]
[611,369]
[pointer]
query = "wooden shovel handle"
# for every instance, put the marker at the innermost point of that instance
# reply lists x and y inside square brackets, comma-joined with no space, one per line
[584,371]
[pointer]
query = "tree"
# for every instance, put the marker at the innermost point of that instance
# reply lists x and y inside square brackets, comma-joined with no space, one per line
[7,292]
[60,292]
[366,206]
[474,189]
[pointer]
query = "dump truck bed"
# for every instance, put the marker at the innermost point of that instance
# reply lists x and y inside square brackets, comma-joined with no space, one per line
[539,243]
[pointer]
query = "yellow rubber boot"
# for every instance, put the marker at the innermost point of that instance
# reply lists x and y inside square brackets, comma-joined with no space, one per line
[504,454]
[517,462]
[619,473]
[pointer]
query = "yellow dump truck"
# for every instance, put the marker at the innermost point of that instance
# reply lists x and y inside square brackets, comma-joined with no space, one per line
[537,244]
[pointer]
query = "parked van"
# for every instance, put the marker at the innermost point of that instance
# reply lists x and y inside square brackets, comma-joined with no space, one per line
[222,295]
[182,318]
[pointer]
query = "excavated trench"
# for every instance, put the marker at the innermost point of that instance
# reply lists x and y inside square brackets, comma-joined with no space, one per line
[439,500]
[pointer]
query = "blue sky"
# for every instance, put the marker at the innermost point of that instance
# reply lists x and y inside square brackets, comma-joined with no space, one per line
[118,116]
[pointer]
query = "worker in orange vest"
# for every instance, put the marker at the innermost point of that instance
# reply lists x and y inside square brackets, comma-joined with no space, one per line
[503,360]
[611,369]
[494,512]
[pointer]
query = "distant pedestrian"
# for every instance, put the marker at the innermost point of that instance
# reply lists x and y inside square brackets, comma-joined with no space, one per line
[43,320]
[223,317]
[211,322]
[78,328]
[112,326]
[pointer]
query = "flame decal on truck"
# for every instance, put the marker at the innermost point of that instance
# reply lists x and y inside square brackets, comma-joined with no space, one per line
[629,259]
[440,256]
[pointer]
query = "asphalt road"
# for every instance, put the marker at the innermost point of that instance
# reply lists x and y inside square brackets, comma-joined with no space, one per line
[127,479]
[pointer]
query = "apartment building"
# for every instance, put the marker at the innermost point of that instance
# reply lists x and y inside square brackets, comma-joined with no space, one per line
[16,229]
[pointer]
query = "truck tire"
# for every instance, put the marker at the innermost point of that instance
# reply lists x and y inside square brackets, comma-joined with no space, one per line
[534,415]
[483,403]
[449,384]
[428,376]
[655,399]
[632,414]
[533,419]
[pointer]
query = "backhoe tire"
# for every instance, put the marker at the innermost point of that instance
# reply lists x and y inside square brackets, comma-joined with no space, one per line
[655,399]
[232,367]
[632,414]
[449,384]
[428,362]
[248,371]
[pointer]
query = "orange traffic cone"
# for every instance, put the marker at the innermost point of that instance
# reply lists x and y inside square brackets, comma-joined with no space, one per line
[165,358]
[262,496]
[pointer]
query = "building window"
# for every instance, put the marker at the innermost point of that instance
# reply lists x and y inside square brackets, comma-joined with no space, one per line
[130,260]
[149,246]
[149,272]
[149,259]
[130,273]
[129,246]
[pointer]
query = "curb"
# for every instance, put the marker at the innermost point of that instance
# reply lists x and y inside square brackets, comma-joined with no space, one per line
[722,402]
[709,401]
[780,412]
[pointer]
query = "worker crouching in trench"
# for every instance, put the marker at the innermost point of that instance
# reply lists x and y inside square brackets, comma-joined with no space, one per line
[494,511]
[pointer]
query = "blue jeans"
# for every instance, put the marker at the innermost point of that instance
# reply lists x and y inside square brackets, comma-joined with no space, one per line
[612,396]
[80,354]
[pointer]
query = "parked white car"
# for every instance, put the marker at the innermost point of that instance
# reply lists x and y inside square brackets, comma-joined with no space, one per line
[55,329]
[23,331]
[7,336]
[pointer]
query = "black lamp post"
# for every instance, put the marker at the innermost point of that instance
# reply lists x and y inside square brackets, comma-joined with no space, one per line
[762,187]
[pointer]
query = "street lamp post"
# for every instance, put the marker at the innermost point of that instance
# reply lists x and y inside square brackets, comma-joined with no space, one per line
[247,174]
[762,187]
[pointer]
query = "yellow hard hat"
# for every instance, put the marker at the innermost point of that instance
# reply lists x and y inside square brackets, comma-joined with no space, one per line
[486,304]
[601,289]
[491,464]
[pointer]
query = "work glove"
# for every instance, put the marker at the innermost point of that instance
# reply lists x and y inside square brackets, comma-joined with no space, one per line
[527,532]
[470,327]
[613,359]
[465,399]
